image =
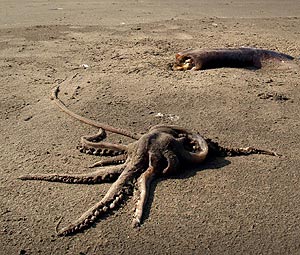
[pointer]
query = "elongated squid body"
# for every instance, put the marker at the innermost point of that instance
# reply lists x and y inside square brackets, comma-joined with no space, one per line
[200,59]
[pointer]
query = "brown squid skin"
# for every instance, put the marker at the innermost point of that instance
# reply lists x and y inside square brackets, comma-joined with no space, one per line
[164,150]
[61,105]
[102,175]
[231,57]
[93,144]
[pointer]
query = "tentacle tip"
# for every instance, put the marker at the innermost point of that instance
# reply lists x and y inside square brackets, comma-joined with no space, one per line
[66,231]
[54,93]
[278,155]
[95,165]
[57,226]
[273,153]
[136,223]
[23,177]
[62,232]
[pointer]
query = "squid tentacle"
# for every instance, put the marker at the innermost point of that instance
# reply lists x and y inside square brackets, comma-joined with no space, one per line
[191,157]
[107,174]
[104,147]
[90,122]
[198,151]
[170,129]
[143,186]
[116,194]
[120,159]
[219,150]
[250,150]
[200,155]
[101,135]
[172,163]
[92,144]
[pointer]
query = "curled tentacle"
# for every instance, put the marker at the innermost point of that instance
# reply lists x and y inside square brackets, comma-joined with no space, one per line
[101,135]
[101,148]
[92,144]
[117,193]
[107,174]
[198,147]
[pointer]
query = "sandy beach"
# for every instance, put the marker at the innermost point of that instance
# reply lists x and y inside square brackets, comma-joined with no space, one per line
[112,60]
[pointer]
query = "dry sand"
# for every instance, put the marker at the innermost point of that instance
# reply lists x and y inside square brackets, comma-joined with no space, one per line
[242,205]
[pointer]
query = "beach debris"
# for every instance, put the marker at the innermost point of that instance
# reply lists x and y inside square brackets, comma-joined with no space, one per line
[169,116]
